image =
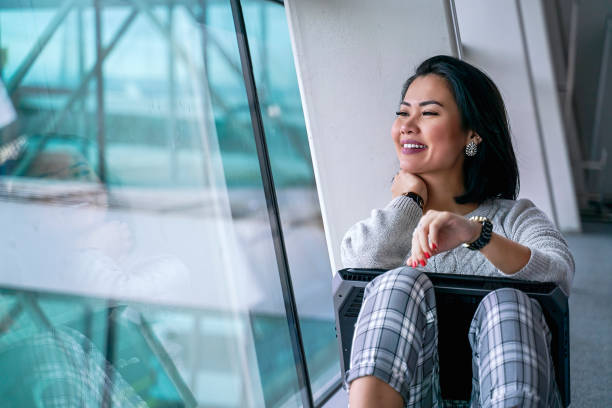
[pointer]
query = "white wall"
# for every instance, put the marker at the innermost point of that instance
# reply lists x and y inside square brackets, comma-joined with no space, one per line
[492,38]
[352,57]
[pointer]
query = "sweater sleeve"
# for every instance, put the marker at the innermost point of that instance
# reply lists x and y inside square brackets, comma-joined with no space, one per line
[551,260]
[383,240]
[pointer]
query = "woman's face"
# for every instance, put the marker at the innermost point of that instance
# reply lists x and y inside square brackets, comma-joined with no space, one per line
[427,131]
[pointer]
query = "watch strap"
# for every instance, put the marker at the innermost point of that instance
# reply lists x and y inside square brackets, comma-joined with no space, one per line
[417,198]
[485,234]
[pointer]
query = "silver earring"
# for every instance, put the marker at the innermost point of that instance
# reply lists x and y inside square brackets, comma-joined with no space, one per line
[471,149]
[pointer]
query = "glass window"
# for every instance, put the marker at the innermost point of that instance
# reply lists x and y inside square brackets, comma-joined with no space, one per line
[138,262]
[287,142]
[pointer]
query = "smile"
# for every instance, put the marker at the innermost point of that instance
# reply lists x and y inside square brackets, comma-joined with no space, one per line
[412,146]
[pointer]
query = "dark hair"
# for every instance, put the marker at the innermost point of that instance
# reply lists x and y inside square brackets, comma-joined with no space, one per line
[493,171]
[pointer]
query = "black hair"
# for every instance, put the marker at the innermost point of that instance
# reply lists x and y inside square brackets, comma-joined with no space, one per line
[493,171]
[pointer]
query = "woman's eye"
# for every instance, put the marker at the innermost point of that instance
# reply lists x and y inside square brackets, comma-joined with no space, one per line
[400,113]
[430,113]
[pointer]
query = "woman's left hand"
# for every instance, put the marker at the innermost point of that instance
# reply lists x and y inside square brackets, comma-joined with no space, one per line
[440,231]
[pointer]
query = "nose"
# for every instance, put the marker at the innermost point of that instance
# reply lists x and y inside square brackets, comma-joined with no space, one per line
[407,127]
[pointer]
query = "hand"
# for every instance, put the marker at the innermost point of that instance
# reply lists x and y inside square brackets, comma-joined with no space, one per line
[405,182]
[440,231]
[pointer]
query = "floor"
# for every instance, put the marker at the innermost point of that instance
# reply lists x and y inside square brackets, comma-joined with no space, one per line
[590,320]
[591,317]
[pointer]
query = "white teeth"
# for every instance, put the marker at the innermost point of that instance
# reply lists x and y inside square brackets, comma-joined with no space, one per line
[413,146]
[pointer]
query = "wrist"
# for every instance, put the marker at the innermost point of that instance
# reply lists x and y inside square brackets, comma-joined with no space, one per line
[476,231]
[418,199]
[485,228]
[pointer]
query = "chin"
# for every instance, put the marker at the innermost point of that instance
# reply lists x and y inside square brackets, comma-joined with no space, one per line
[410,167]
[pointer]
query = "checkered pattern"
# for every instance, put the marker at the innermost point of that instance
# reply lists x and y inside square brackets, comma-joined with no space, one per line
[511,361]
[61,368]
[396,337]
[396,340]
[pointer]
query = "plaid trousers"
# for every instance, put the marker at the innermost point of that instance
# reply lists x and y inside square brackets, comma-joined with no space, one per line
[396,338]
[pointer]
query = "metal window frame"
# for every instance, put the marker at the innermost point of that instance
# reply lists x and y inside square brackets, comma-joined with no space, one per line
[291,312]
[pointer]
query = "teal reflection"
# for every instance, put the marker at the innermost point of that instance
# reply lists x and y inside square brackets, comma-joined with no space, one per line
[87,352]
[115,194]
[150,106]
[287,141]
[59,353]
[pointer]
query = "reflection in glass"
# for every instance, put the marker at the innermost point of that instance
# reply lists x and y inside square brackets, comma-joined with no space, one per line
[135,227]
[287,142]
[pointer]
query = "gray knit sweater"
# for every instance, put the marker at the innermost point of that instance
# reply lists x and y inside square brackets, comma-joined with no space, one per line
[384,239]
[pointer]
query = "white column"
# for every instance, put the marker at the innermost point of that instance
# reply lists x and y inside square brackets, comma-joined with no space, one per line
[352,58]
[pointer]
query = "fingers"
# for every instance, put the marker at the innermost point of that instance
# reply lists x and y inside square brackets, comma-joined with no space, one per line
[416,256]
[434,234]
[422,248]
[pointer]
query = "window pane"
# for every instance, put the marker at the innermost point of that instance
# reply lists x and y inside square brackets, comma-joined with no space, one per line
[287,142]
[138,262]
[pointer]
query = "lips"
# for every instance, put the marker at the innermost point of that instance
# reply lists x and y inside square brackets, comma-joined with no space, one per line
[412,146]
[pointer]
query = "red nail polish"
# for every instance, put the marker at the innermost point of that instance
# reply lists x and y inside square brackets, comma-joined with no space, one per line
[427,255]
[422,262]
[414,264]
[434,246]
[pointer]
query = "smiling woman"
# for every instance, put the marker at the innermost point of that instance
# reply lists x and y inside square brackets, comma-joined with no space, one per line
[457,184]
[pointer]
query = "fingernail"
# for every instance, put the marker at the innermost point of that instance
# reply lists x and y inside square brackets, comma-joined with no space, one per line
[434,246]
[414,264]
[422,262]
[427,255]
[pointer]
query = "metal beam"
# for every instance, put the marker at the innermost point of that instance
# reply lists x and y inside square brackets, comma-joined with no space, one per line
[81,89]
[44,38]
[101,128]
[213,40]
[166,362]
[171,123]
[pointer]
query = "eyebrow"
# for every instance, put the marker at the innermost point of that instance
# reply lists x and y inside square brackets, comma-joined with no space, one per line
[432,102]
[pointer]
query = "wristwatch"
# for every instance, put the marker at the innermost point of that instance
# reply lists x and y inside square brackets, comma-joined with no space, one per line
[485,234]
[417,198]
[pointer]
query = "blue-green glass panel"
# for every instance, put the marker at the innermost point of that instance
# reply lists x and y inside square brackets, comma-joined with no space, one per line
[138,262]
[287,142]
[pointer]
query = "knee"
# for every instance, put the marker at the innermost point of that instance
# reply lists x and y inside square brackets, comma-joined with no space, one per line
[506,301]
[402,289]
[401,280]
[507,307]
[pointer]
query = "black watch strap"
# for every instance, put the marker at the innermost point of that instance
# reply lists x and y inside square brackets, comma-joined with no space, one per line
[417,198]
[485,234]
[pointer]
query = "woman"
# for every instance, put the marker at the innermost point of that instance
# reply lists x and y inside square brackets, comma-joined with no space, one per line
[457,184]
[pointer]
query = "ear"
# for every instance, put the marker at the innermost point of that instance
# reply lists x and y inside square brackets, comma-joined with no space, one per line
[473,136]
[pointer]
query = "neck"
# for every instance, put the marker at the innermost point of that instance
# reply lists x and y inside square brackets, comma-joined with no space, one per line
[442,190]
